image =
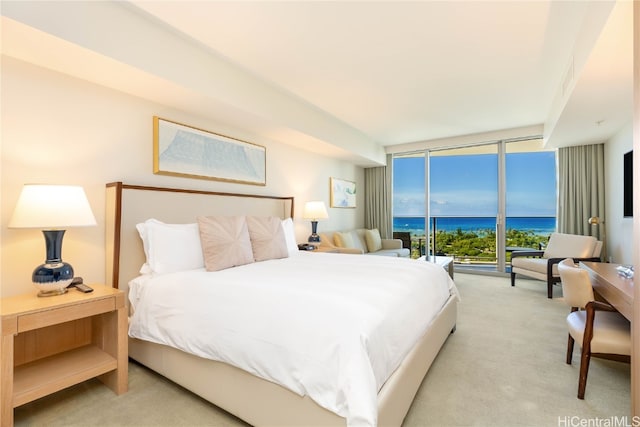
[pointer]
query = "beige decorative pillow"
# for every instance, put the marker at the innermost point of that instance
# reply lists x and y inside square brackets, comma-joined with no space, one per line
[343,240]
[374,242]
[267,238]
[225,241]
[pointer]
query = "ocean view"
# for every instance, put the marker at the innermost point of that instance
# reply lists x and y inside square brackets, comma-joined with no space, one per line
[415,225]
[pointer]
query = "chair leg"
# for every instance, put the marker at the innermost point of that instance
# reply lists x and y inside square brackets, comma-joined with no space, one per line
[513,279]
[584,370]
[570,349]
[549,289]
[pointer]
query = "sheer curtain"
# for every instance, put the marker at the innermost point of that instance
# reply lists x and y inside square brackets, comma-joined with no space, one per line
[377,199]
[581,190]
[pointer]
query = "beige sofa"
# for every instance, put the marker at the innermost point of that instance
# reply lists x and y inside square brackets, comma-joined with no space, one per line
[363,241]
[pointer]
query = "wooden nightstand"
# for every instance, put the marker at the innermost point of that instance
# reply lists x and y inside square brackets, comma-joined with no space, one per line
[326,249]
[316,248]
[52,343]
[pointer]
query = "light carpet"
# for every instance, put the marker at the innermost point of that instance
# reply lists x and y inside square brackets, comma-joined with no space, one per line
[504,366]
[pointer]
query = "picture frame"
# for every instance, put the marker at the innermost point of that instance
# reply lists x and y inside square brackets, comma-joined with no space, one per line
[343,193]
[186,151]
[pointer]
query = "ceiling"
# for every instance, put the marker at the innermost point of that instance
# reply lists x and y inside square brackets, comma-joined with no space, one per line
[411,71]
[384,73]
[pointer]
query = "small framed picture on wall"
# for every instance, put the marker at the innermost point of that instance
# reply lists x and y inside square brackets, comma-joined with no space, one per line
[343,193]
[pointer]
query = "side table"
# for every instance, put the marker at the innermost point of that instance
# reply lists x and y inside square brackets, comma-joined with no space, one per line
[326,249]
[445,262]
[49,344]
[318,248]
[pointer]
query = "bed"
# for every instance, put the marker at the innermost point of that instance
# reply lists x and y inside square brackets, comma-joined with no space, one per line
[250,389]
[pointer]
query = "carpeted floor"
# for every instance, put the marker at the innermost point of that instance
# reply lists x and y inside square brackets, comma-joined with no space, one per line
[504,366]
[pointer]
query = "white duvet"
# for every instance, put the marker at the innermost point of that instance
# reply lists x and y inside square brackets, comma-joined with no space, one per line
[330,326]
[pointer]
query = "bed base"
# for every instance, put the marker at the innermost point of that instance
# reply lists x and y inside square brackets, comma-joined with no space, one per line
[263,403]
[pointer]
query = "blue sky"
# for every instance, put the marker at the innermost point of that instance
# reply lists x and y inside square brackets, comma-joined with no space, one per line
[467,185]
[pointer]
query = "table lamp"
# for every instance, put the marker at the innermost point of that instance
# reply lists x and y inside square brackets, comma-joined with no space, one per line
[594,220]
[52,208]
[314,211]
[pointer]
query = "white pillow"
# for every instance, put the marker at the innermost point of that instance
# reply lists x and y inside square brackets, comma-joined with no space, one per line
[359,240]
[290,236]
[170,247]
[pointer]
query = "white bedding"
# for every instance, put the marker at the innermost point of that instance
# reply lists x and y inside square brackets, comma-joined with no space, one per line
[330,326]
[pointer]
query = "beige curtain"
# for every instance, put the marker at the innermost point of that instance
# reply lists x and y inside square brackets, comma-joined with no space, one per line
[581,190]
[377,199]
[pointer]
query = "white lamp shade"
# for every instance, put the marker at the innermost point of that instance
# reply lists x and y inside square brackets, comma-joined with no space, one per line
[315,210]
[52,207]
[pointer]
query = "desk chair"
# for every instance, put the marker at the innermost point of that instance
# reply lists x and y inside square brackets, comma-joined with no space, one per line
[602,330]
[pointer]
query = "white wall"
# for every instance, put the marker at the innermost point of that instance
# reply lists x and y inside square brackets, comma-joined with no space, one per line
[59,129]
[619,230]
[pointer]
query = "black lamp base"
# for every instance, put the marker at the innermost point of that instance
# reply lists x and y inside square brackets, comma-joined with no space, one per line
[314,238]
[52,277]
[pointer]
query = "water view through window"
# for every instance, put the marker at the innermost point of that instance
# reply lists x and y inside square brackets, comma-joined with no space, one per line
[471,240]
[466,205]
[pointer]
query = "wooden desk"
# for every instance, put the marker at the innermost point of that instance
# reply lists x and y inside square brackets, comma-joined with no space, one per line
[617,290]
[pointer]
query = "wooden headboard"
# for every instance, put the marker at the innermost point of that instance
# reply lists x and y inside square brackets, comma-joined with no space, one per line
[128,205]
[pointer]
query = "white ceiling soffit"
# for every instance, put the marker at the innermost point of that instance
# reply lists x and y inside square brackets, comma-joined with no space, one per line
[599,98]
[39,48]
[341,78]
[78,39]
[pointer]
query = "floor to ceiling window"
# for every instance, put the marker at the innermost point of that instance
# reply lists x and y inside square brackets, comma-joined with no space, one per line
[484,201]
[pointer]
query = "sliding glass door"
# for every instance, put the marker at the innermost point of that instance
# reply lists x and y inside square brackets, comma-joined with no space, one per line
[530,195]
[463,204]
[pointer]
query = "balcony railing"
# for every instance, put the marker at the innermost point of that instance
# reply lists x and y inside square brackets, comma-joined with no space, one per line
[475,245]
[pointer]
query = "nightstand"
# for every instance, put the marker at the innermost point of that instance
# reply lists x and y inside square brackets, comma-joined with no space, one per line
[51,343]
[326,249]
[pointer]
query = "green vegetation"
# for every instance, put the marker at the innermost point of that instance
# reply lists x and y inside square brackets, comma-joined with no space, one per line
[477,246]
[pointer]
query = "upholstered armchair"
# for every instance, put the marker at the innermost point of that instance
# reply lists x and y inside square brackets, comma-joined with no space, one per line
[543,265]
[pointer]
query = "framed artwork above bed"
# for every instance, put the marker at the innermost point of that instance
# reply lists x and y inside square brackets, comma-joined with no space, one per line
[343,193]
[181,150]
